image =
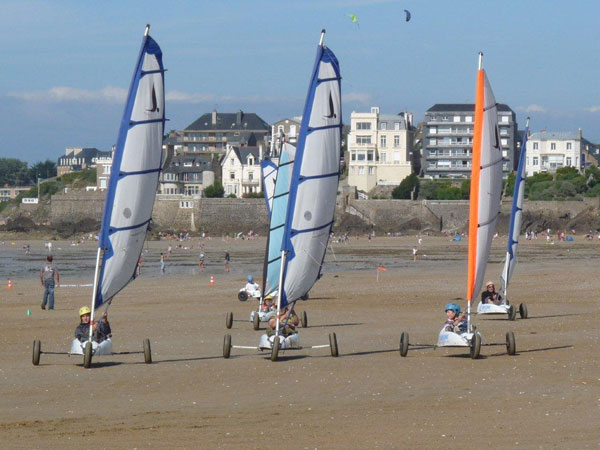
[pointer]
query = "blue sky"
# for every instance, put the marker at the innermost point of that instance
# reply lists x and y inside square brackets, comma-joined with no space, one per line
[66,65]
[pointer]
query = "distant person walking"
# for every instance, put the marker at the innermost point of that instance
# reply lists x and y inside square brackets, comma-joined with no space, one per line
[162,263]
[49,277]
[227,260]
[169,251]
[201,262]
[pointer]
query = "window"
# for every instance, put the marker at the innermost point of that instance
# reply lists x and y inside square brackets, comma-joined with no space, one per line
[352,170]
[535,146]
[504,153]
[292,130]
[103,182]
[568,162]
[504,142]
[432,142]
[232,175]
[353,156]
[186,204]
[383,126]
[280,129]
[250,176]
[396,141]
[363,125]
[553,146]
[469,119]
[432,152]
[363,140]
[106,170]
[535,160]
[361,170]
[360,156]
[232,161]
[250,160]
[370,155]
[383,157]
[432,130]
[456,118]
[396,125]
[383,141]
[371,170]
[569,146]
[503,119]
[396,157]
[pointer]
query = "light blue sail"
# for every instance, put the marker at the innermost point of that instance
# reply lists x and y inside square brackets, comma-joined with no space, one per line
[315,178]
[137,162]
[279,200]
[268,171]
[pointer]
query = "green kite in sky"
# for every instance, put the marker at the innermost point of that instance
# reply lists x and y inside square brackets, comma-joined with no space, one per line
[354,19]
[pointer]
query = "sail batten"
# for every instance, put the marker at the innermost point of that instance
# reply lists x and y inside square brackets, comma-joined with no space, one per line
[137,162]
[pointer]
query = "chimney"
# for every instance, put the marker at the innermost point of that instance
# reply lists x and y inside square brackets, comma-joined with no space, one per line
[260,152]
[214,117]
[238,117]
[580,134]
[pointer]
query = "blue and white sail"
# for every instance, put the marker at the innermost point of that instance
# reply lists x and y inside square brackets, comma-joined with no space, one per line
[268,171]
[137,162]
[516,218]
[272,266]
[315,177]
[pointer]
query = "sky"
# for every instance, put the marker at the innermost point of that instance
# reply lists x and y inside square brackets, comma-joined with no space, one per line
[66,65]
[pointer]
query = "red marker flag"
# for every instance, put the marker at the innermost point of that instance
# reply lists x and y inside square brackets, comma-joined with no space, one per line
[381,268]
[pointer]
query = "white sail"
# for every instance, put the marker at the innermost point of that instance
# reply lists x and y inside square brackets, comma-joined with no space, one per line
[315,179]
[486,189]
[268,170]
[134,177]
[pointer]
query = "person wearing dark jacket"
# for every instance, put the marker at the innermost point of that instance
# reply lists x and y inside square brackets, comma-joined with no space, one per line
[101,331]
[490,295]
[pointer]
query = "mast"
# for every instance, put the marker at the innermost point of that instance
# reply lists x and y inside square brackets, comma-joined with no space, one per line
[280,293]
[94,290]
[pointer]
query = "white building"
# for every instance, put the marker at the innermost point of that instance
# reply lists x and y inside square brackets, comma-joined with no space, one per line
[379,147]
[103,166]
[290,128]
[548,151]
[241,170]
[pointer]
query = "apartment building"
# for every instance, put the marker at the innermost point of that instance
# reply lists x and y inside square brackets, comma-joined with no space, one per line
[448,140]
[379,148]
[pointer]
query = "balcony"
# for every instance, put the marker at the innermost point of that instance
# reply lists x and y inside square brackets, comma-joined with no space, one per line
[451,144]
[457,156]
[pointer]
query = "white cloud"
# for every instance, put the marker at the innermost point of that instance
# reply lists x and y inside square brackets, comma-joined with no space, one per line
[593,109]
[532,108]
[71,94]
[358,97]
[199,97]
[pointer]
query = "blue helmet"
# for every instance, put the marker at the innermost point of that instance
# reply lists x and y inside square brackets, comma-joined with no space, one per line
[452,307]
[250,279]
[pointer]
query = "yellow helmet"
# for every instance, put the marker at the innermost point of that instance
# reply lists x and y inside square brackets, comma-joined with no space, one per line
[84,310]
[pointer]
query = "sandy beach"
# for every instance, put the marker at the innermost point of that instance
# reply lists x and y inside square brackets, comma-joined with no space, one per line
[545,396]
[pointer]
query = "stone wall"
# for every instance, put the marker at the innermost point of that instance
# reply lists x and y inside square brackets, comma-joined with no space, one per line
[229,215]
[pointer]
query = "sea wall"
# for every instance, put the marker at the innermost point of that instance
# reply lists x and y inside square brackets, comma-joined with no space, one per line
[226,215]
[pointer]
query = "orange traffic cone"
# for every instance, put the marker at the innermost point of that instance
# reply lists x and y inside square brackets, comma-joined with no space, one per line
[10,286]
[212,281]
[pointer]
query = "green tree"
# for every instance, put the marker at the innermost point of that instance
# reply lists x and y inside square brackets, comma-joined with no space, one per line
[44,170]
[566,173]
[465,189]
[13,172]
[406,187]
[510,184]
[215,190]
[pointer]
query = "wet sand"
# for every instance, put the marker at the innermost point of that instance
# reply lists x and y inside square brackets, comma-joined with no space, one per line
[546,396]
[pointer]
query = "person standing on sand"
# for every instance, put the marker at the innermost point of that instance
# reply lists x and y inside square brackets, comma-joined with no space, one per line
[227,260]
[162,263]
[201,262]
[48,275]
[169,251]
[415,250]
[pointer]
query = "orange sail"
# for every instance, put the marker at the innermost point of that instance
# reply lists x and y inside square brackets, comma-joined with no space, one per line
[486,183]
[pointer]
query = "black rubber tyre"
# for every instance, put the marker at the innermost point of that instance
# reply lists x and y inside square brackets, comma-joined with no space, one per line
[147,352]
[304,319]
[511,346]
[333,345]
[229,320]
[242,296]
[87,355]
[523,311]
[37,350]
[404,344]
[305,297]
[275,349]
[256,322]
[512,313]
[227,346]
[475,346]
